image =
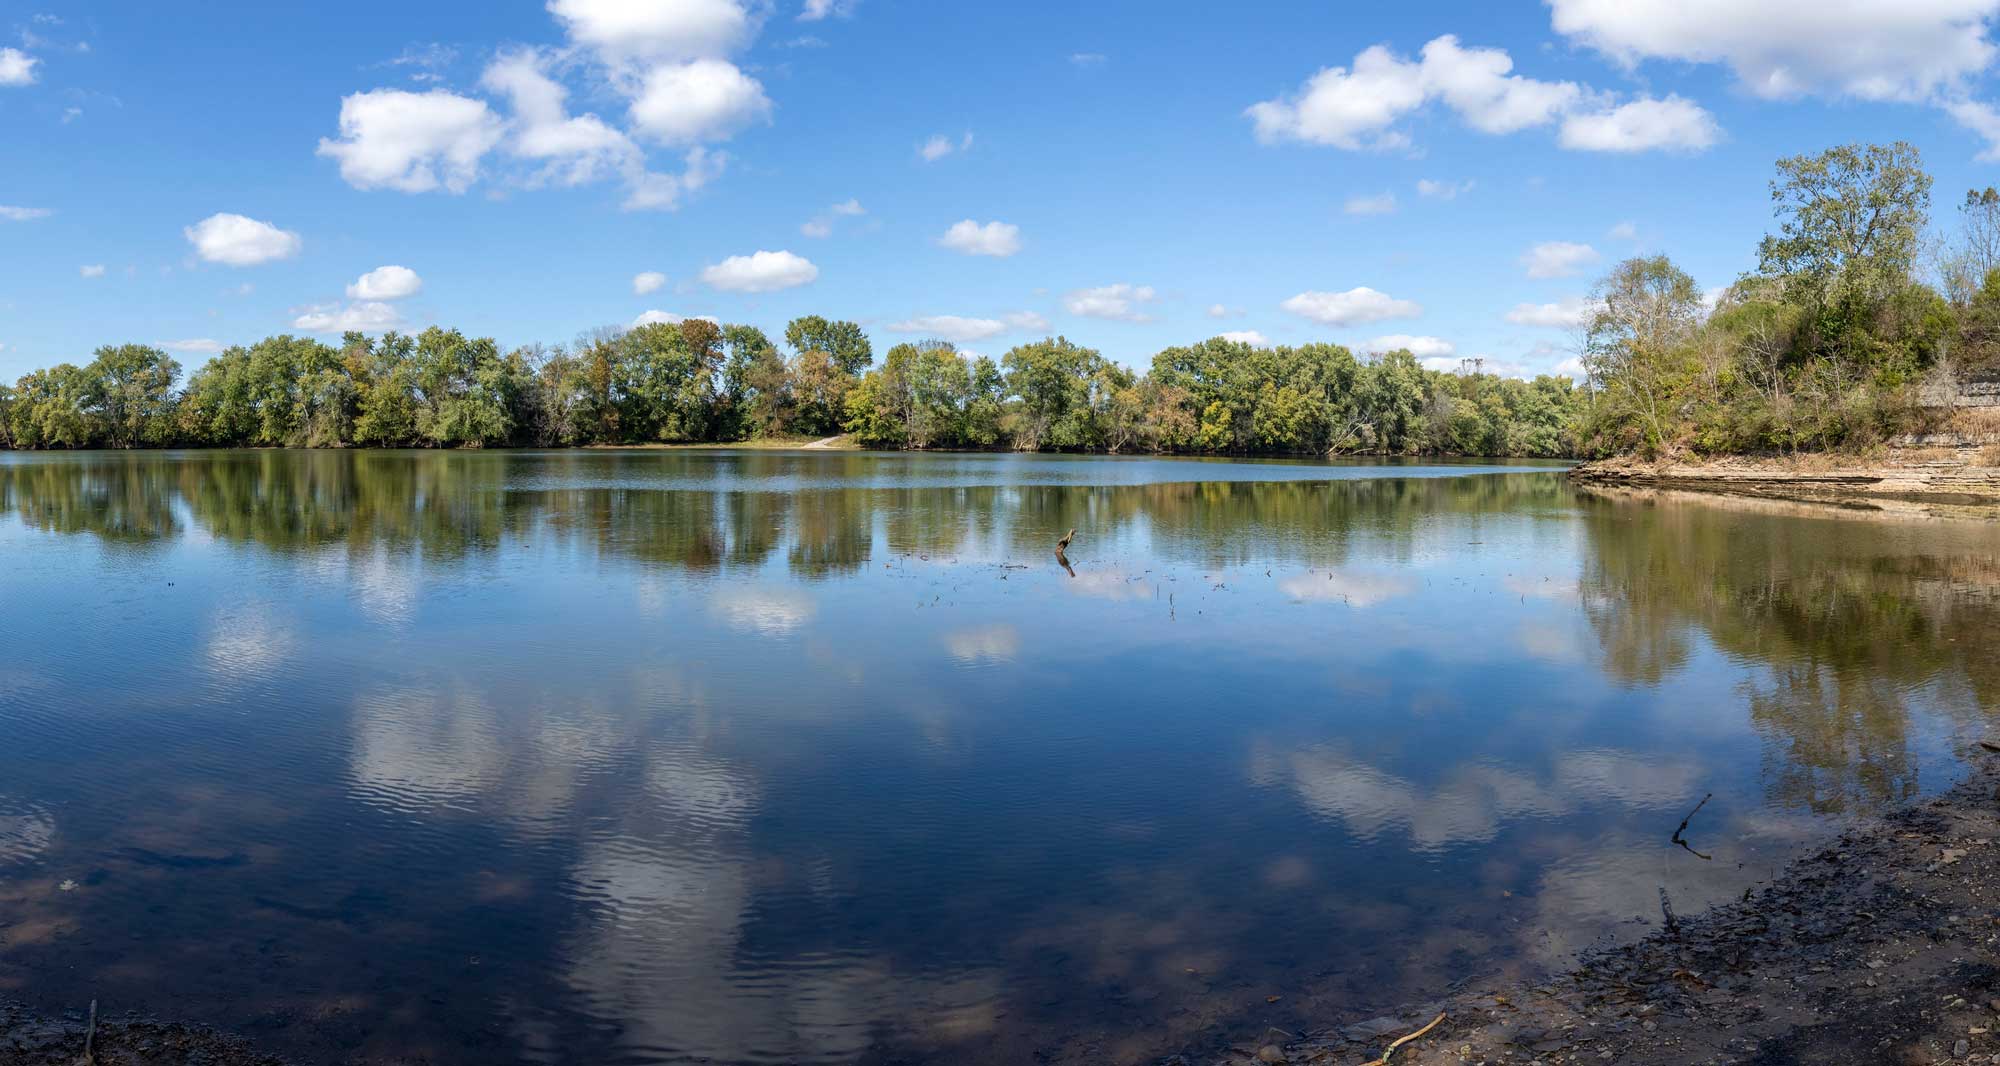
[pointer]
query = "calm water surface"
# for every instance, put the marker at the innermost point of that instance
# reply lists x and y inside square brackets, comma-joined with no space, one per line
[762,757]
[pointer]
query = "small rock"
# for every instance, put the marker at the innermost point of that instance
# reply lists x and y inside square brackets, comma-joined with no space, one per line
[1961,1049]
[1270,1053]
[1362,1032]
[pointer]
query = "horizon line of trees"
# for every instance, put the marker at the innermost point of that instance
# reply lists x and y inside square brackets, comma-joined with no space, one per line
[1855,326]
[699,382]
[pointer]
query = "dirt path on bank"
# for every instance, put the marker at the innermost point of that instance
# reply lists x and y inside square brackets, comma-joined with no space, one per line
[1882,947]
[823,444]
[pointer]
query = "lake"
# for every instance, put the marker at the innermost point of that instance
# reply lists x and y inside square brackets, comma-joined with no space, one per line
[764,757]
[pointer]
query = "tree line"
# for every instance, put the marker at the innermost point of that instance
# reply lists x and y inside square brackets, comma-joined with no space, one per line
[1855,323]
[696,381]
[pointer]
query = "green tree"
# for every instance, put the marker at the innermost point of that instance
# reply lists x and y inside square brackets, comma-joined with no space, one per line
[844,344]
[1850,220]
[1637,350]
[136,385]
[1053,379]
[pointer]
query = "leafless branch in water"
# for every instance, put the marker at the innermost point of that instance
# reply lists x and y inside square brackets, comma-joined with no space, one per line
[1678,839]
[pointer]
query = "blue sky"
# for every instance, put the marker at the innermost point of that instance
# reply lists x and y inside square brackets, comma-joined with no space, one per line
[1132,175]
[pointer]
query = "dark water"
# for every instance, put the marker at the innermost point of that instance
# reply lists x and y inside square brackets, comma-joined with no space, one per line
[672,756]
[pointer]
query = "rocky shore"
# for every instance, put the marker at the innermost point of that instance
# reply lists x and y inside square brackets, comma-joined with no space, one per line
[31,1039]
[1941,477]
[1881,947]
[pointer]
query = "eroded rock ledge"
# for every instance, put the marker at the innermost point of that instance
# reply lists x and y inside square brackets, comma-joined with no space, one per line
[1951,476]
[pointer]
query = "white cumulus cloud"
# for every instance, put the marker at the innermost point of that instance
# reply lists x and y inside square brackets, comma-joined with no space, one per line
[1355,306]
[1120,302]
[1358,106]
[17,67]
[1572,312]
[962,330]
[1982,119]
[1244,336]
[93,270]
[700,100]
[628,30]
[1421,347]
[23,214]
[412,142]
[760,272]
[668,318]
[575,149]
[1784,48]
[198,345]
[369,316]
[386,283]
[1674,124]
[998,239]
[1557,259]
[235,240]
[647,281]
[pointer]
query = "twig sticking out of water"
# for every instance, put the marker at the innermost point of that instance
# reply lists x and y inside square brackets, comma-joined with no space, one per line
[1678,839]
[1673,924]
[1400,1041]
[89,1057]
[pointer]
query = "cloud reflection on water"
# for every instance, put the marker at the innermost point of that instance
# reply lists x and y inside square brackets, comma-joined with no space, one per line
[1470,802]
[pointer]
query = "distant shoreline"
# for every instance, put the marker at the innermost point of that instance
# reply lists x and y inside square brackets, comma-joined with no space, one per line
[842,443]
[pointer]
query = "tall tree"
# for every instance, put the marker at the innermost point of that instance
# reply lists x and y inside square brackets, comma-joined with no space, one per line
[1850,221]
[846,347]
[1636,350]
[137,391]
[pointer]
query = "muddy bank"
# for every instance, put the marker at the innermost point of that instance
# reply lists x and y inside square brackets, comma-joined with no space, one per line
[30,1039]
[1881,947]
[1959,476]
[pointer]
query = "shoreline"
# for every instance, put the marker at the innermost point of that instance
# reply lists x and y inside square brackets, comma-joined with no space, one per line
[1951,479]
[1880,946]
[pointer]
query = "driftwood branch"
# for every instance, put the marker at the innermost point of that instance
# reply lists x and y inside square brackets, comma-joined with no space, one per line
[1678,839]
[89,1057]
[1400,1041]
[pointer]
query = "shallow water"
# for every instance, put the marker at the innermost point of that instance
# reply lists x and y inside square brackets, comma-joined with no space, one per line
[643,757]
